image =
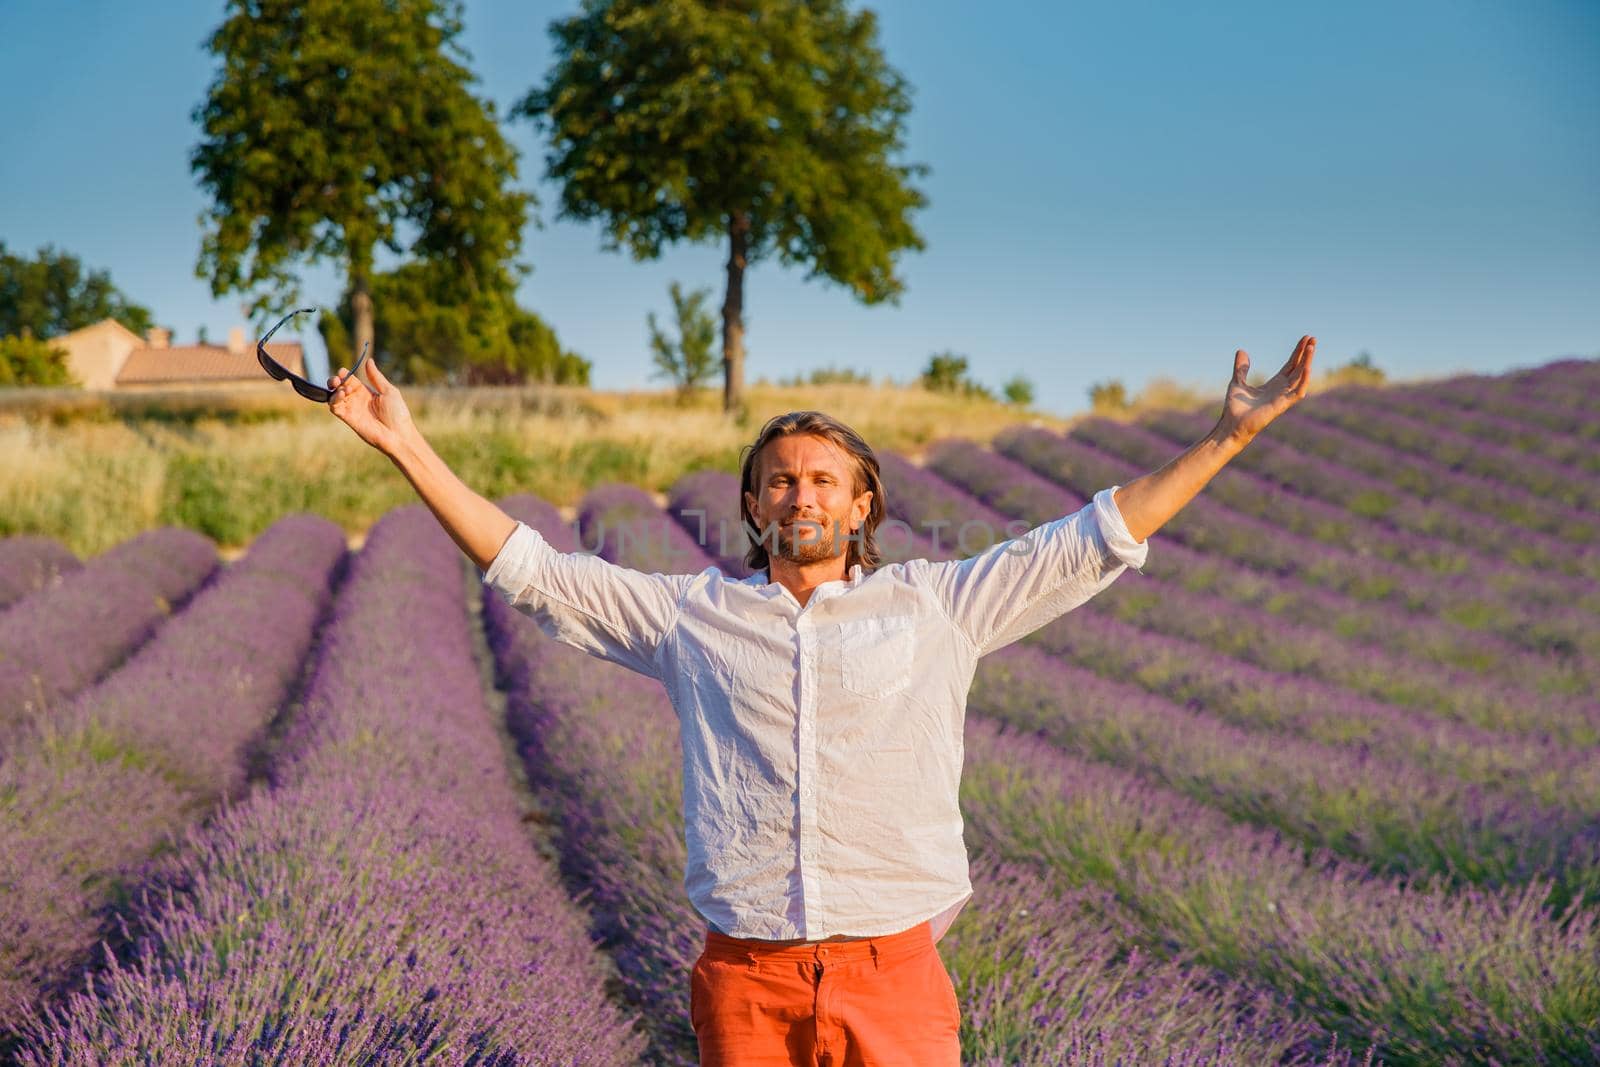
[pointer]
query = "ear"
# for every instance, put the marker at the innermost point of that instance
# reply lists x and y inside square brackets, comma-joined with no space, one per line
[862,507]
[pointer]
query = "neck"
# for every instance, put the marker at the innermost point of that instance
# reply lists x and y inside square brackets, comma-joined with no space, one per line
[802,579]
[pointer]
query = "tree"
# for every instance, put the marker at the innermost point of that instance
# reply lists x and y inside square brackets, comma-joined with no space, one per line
[688,362]
[53,295]
[946,372]
[1359,371]
[768,124]
[489,340]
[25,360]
[1018,391]
[1109,397]
[333,127]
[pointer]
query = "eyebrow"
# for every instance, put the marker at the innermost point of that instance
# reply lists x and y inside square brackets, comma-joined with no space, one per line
[813,472]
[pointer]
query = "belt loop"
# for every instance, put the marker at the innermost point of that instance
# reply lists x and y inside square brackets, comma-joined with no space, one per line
[873,945]
[750,958]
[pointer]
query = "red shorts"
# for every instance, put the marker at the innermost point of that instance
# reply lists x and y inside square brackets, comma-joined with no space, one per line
[873,1001]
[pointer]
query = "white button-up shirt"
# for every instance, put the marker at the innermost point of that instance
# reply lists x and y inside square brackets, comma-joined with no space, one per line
[822,745]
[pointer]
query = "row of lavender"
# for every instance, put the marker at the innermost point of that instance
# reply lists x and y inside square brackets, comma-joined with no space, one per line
[1380,651]
[113,773]
[378,898]
[1556,399]
[1501,455]
[1048,972]
[1546,437]
[1544,612]
[1256,542]
[1433,973]
[29,563]
[1281,654]
[70,629]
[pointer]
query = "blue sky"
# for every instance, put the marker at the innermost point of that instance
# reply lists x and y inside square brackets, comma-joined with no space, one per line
[1117,191]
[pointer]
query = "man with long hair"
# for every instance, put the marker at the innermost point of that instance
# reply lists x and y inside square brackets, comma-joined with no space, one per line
[821,703]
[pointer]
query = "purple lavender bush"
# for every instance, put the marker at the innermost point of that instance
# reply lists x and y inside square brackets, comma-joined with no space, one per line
[1518,759]
[1161,600]
[1514,590]
[602,742]
[1536,412]
[61,638]
[1491,423]
[381,902]
[147,751]
[1427,975]
[1016,490]
[1428,479]
[29,563]
[1331,481]
[1395,817]
[1350,410]
[1208,526]
[706,504]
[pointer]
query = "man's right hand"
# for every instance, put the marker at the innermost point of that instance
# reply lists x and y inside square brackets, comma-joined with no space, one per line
[377,413]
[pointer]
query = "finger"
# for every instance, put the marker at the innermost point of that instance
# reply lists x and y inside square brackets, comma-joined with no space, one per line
[1305,368]
[1293,362]
[1295,368]
[380,384]
[1241,365]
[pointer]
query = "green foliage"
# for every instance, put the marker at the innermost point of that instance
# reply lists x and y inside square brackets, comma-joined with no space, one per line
[1108,398]
[946,372]
[52,295]
[688,362]
[485,340]
[1359,371]
[772,124]
[335,125]
[1018,390]
[666,116]
[25,360]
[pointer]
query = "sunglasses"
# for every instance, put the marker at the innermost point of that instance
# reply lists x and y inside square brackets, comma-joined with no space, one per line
[306,389]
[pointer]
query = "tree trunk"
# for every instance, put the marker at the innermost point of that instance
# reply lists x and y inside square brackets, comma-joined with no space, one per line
[360,311]
[733,314]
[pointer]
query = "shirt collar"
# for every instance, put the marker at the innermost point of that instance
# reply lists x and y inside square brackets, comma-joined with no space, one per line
[759,579]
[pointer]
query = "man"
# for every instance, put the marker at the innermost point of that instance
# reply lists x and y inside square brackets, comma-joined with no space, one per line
[820,703]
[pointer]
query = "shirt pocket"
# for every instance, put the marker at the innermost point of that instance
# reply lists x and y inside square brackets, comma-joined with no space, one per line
[876,655]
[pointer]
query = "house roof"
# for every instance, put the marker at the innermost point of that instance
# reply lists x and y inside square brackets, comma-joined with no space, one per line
[206,363]
[103,326]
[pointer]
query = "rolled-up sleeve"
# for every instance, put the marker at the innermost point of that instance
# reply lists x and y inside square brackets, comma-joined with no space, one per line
[616,613]
[1011,589]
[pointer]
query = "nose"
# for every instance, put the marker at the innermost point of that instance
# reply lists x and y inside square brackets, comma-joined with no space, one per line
[802,500]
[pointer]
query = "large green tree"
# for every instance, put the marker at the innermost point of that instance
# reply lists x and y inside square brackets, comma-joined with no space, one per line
[772,125]
[336,127]
[52,294]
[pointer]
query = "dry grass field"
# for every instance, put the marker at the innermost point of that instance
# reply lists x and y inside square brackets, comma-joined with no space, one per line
[93,470]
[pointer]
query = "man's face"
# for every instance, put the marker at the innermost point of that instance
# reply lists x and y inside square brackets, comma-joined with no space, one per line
[803,491]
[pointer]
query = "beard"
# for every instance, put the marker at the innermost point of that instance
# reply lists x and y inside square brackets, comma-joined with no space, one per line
[801,541]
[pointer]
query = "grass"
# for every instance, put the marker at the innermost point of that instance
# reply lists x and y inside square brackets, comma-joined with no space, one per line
[92,470]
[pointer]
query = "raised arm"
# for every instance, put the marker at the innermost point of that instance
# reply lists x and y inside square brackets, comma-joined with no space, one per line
[1147,502]
[612,612]
[378,415]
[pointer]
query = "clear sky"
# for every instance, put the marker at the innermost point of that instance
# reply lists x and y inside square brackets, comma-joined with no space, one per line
[1117,190]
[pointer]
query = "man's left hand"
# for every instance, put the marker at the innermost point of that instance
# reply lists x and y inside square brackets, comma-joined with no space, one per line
[1249,408]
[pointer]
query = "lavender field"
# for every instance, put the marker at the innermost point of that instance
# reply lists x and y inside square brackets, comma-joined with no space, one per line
[1321,785]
